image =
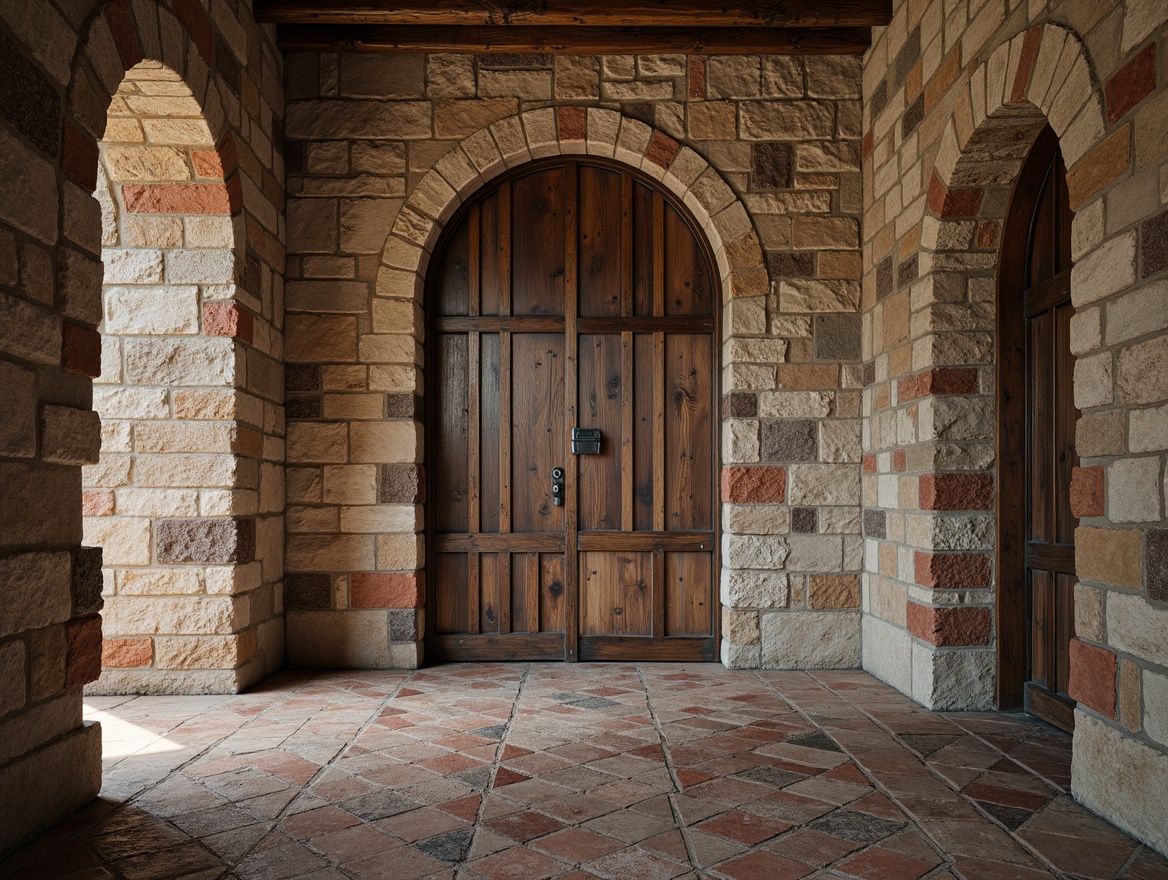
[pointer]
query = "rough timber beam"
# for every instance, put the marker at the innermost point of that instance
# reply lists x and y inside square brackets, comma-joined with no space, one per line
[589,13]
[576,40]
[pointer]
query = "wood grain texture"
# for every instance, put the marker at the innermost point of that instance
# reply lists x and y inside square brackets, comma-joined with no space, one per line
[568,13]
[574,40]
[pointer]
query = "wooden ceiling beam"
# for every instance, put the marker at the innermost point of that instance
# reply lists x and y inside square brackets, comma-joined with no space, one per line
[575,40]
[581,13]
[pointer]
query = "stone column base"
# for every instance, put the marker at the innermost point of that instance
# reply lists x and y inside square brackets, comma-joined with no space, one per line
[43,787]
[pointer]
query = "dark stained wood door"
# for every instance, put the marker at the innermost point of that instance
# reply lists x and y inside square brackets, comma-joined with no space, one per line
[1042,308]
[572,294]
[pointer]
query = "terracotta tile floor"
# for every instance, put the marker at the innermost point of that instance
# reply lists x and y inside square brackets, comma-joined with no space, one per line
[521,772]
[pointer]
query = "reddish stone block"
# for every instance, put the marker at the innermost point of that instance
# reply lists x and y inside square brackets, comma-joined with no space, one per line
[234,185]
[899,460]
[960,380]
[571,123]
[1087,491]
[661,150]
[869,464]
[81,350]
[97,502]
[227,318]
[198,23]
[248,442]
[1131,84]
[124,653]
[1100,167]
[754,485]
[121,24]
[176,198]
[945,202]
[987,234]
[207,163]
[228,155]
[386,590]
[697,78]
[83,652]
[867,144]
[949,627]
[1093,673]
[951,571]
[1026,64]
[79,156]
[956,492]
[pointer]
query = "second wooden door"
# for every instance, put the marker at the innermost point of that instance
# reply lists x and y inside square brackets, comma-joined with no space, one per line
[572,295]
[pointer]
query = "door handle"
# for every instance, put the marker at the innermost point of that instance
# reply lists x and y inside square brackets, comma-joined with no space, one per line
[558,486]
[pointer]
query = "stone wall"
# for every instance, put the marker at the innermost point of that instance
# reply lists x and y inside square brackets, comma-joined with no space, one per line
[765,153]
[62,65]
[955,95]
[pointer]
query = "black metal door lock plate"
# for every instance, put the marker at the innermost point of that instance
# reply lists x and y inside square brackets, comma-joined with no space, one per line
[585,441]
[558,487]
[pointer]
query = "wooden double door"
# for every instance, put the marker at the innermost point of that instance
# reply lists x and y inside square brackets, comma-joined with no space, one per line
[572,295]
[1037,375]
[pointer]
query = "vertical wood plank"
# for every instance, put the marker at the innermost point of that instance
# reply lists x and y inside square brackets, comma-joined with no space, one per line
[474,428]
[505,429]
[627,308]
[628,384]
[531,596]
[504,606]
[474,271]
[658,255]
[505,249]
[571,387]
[659,431]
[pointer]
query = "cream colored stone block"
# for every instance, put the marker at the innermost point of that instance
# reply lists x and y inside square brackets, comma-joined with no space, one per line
[1133,490]
[124,540]
[381,518]
[810,640]
[756,519]
[1108,268]
[352,639]
[318,442]
[1142,376]
[399,552]
[740,442]
[390,441]
[138,266]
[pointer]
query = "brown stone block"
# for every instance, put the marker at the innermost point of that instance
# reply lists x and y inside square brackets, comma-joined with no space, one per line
[83,652]
[956,492]
[1025,64]
[1154,245]
[177,198]
[1156,563]
[570,122]
[206,541]
[833,591]
[1109,556]
[949,627]
[226,318]
[401,484]
[458,119]
[943,77]
[308,591]
[121,24]
[661,150]
[697,78]
[740,405]
[960,380]
[951,571]
[80,350]
[987,235]
[1100,166]
[123,653]
[79,156]
[754,485]
[386,590]
[787,440]
[1093,672]
[809,377]
[713,120]
[1086,494]
[86,581]
[198,23]
[1131,84]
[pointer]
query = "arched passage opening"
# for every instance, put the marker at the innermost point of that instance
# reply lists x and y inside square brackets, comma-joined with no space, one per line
[168,500]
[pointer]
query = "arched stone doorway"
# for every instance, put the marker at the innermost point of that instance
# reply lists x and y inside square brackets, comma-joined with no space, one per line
[572,295]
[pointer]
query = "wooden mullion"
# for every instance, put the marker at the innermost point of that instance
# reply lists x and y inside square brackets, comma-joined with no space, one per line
[571,395]
[659,431]
[473,591]
[627,386]
[659,594]
[473,417]
[505,432]
[658,255]
[627,245]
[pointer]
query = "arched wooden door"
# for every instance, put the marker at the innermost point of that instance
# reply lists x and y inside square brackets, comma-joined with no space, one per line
[573,294]
[1037,439]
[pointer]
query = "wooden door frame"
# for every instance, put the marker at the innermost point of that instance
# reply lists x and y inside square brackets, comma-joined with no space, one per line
[571,565]
[1012,430]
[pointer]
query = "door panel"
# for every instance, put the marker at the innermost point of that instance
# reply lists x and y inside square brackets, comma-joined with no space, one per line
[1041,303]
[573,295]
